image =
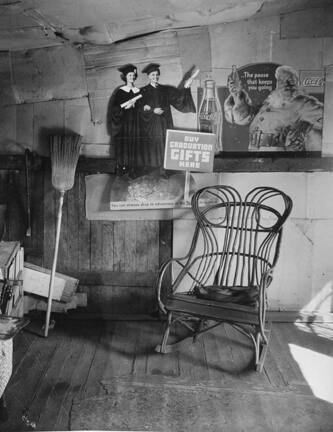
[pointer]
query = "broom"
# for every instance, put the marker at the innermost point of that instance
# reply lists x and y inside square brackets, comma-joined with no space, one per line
[65,150]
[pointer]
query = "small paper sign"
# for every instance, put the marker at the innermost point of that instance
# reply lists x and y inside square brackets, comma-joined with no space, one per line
[189,151]
[313,81]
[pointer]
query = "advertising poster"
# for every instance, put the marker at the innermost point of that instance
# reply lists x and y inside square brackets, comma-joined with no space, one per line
[272,108]
[151,191]
[263,107]
[189,151]
[185,151]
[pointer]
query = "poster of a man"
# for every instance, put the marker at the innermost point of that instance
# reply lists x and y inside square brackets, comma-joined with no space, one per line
[289,119]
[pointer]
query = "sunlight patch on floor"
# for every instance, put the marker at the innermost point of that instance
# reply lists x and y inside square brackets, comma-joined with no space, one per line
[317,369]
[324,330]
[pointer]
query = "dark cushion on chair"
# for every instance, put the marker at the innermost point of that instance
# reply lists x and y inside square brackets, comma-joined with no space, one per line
[236,294]
[211,309]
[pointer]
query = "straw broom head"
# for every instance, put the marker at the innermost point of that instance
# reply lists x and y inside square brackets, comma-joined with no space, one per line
[65,150]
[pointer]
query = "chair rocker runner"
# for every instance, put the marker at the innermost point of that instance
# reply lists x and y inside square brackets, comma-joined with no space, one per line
[225,275]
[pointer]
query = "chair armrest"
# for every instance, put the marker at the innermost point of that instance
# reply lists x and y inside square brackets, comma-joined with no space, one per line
[265,281]
[160,278]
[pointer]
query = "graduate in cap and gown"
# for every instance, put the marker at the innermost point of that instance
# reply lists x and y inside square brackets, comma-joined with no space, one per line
[155,114]
[123,121]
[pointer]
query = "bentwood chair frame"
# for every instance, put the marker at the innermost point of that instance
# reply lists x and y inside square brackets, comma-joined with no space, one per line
[228,268]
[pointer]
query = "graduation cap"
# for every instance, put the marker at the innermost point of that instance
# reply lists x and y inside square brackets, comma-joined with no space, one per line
[151,67]
[127,68]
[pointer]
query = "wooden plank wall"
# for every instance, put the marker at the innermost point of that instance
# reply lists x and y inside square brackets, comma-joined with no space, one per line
[116,262]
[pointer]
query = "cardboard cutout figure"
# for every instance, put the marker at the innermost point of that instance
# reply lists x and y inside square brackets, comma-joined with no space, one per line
[123,121]
[155,114]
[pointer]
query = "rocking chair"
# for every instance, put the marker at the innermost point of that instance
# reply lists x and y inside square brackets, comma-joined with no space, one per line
[228,268]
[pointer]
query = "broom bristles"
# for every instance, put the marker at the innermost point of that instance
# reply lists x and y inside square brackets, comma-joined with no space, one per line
[65,150]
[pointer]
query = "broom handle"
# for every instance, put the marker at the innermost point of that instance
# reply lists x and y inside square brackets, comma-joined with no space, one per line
[54,265]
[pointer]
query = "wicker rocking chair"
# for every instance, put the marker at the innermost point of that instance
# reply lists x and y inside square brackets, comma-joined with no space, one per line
[228,268]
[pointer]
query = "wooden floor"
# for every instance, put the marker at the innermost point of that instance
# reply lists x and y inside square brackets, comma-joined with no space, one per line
[49,373]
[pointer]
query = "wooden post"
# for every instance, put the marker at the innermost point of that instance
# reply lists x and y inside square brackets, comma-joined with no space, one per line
[187,187]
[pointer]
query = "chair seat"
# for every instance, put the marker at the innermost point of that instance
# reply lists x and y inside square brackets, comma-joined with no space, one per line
[212,309]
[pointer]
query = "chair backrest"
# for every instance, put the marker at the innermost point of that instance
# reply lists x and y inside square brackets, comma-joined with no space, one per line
[236,241]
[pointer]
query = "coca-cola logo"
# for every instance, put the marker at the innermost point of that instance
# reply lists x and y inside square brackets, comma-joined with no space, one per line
[209,116]
[313,82]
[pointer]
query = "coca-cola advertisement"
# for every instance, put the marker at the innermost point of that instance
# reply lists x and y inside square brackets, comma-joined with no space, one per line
[269,107]
[312,80]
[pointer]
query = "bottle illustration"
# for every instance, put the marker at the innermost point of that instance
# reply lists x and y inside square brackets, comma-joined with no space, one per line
[235,77]
[210,113]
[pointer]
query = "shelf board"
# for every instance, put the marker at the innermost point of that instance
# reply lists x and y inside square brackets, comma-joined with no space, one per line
[224,163]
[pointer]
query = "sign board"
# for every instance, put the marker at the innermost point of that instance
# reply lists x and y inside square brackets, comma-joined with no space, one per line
[150,192]
[312,80]
[189,151]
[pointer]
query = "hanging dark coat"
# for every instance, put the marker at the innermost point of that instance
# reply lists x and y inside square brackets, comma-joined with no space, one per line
[154,126]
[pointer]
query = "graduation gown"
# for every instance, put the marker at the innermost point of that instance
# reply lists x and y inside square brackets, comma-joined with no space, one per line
[153,126]
[123,127]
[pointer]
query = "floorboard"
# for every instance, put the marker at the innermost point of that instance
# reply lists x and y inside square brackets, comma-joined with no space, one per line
[79,360]
[81,365]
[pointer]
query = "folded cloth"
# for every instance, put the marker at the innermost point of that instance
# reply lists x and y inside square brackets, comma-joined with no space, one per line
[236,294]
[10,326]
[6,363]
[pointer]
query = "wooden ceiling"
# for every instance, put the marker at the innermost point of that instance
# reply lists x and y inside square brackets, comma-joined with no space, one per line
[29,24]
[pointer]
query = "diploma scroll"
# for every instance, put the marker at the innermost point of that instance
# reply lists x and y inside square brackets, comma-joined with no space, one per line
[123,105]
